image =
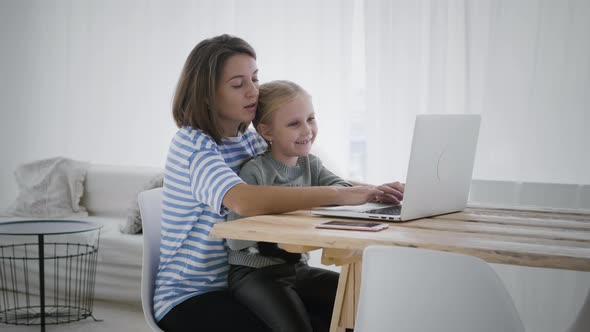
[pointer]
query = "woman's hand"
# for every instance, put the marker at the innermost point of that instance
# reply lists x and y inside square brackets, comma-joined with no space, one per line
[358,195]
[393,193]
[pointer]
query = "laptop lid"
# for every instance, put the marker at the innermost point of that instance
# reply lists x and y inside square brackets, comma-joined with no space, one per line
[439,171]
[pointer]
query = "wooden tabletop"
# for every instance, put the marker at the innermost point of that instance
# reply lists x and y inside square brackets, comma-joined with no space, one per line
[529,238]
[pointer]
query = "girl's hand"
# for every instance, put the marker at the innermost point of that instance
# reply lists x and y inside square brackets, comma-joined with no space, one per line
[358,195]
[393,193]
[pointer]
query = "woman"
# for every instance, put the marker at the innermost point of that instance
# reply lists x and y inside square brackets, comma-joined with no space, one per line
[214,103]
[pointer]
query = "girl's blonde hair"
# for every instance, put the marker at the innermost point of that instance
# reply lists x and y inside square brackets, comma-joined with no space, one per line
[273,95]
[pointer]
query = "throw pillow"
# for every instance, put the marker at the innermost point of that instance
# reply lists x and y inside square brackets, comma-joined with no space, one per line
[49,188]
[133,224]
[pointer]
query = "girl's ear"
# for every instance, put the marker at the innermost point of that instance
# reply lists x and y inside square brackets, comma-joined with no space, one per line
[265,131]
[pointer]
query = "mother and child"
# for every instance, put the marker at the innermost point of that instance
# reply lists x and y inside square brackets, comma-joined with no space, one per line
[209,284]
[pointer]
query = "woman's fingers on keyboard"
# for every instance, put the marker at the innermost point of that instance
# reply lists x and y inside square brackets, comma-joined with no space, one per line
[396,191]
[388,199]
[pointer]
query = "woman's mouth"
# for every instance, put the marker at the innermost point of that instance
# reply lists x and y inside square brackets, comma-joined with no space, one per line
[251,107]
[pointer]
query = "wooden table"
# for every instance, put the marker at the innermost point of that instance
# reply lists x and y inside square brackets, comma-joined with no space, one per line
[529,238]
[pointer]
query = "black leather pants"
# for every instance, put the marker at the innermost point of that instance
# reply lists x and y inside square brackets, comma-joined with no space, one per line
[287,297]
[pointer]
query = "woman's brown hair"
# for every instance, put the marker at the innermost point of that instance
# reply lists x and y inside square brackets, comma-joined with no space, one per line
[194,99]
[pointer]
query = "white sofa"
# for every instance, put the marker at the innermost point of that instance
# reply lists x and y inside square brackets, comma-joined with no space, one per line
[110,193]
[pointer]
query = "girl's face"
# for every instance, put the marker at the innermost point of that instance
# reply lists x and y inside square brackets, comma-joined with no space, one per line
[292,130]
[237,93]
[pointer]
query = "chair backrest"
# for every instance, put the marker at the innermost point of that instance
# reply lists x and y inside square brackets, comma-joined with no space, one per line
[150,207]
[411,289]
[582,321]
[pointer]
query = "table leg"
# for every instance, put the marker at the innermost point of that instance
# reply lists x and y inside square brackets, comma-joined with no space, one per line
[41,243]
[339,302]
[347,295]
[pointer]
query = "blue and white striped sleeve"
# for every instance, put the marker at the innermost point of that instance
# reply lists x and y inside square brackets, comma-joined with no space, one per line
[211,178]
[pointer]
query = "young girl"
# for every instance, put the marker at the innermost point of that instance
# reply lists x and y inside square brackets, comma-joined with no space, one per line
[215,101]
[286,293]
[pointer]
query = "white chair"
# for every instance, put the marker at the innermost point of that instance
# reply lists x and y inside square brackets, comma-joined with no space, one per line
[582,322]
[412,290]
[150,207]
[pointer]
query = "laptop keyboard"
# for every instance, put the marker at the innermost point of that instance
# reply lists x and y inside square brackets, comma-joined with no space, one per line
[392,210]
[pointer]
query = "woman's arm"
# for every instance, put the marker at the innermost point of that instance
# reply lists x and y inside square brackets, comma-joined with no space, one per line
[251,200]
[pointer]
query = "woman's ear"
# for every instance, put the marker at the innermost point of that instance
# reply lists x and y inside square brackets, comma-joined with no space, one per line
[265,131]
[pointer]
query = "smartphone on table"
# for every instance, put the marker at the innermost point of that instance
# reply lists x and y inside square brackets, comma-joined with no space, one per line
[353,225]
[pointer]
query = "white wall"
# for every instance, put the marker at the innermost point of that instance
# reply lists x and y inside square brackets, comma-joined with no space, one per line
[76,83]
[94,80]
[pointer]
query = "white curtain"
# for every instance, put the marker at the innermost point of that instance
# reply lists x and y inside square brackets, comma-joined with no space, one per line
[523,65]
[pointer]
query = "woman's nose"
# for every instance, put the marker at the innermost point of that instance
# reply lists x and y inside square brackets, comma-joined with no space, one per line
[252,90]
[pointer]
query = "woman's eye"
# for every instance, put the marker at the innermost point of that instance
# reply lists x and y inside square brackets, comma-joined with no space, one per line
[237,83]
[292,124]
[312,119]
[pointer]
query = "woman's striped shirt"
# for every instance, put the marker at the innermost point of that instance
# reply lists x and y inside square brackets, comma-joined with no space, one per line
[198,174]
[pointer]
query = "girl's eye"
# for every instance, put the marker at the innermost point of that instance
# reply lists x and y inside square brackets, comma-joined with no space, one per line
[237,86]
[255,80]
[292,124]
[312,119]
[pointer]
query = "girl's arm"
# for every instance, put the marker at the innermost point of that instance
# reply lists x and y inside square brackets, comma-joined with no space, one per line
[251,200]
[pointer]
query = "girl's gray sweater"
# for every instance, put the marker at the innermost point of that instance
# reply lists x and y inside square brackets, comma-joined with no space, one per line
[264,170]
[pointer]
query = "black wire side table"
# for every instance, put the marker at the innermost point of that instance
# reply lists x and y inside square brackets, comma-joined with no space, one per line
[54,259]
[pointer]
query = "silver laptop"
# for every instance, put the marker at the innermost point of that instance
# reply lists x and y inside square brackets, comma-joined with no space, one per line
[439,172]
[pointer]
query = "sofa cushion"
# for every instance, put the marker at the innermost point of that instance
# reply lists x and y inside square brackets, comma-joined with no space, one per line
[49,188]
[133,224]
[111,190]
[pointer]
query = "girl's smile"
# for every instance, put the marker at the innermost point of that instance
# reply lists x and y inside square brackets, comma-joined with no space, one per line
[292,130]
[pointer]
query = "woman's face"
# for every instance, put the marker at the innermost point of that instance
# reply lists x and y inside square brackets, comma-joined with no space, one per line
[292,130]
[237,93]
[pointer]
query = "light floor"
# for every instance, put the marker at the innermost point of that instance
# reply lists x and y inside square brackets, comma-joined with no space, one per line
[116,317]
